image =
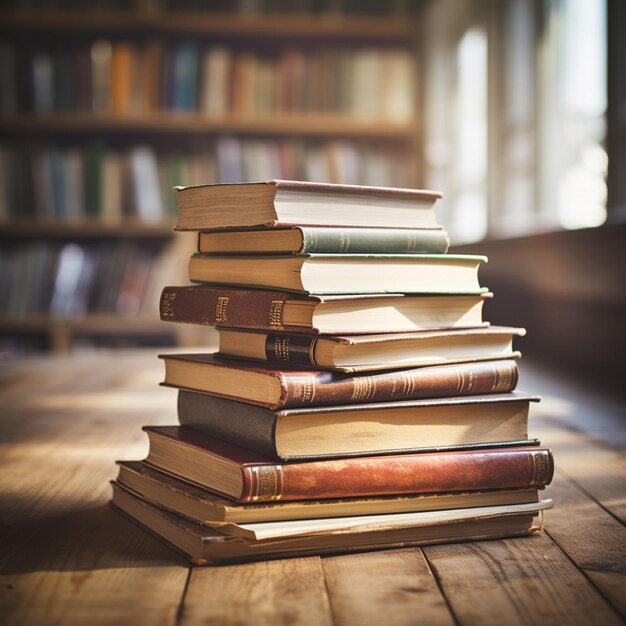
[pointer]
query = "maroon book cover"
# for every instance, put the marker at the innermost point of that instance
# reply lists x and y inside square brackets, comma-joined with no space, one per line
[265,480]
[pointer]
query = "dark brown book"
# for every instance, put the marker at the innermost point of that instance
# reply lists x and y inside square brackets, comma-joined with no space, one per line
[363,353]
[259,383]
[227,307]
[247,476]
[360,429]
[285,202]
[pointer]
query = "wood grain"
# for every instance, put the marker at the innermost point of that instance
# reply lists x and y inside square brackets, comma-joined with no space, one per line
[592,538]
[597,469]
[271,593]
[64,551]
[517,582]
[359,585]
[67,558]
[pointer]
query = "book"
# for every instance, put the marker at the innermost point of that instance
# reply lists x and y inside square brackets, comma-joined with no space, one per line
[228,307]
[289,387]
[360,429]
[358,353]
[324,240]
[343,274]
[276,202]
[264,531]
[207,508]
[204,546]
[247,476]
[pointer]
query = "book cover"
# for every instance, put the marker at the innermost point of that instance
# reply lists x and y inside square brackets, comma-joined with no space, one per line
[335,274]
[370,352]
[328,240]
[230,307]
[276,202]
[265,479]
[292,387]
[360,428]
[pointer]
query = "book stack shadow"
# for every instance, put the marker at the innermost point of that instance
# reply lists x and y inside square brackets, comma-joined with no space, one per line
[357,401]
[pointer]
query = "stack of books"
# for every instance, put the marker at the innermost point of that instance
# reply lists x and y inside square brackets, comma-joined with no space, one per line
[357,401]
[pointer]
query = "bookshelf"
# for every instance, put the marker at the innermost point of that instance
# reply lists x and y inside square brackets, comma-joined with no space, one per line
[323,91]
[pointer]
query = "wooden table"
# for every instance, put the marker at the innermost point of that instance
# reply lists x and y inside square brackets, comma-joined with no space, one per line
[67,558]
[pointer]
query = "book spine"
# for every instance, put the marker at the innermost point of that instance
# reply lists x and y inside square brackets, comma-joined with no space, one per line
[227,308]
[373,241]
[419,473]
[246,425]
[322,388]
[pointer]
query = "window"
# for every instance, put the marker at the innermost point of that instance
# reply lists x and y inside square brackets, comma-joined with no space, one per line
[515,109]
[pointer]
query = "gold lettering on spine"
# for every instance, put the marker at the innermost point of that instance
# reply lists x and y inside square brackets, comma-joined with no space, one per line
[167,305]
[281,348]
[408,385]
[221,309]
[303,389]
[540,468]
[363,388]
[267,483]
[276,312]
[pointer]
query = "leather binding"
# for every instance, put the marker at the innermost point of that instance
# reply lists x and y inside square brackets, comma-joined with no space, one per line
[266,480]
[232,307]
[301,388]
[254,427]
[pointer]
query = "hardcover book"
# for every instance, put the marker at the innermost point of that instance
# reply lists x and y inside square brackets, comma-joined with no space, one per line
[204,546]
[283,202]
[227,307]
[343,273]
[288,387]
[247,476]
[360,429]
[355,353]
[324,240]
[205,507]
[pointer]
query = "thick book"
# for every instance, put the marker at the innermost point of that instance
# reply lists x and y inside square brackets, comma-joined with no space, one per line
[360,429]
[246,476]
[205,546]
[284,202]
[324,240]
[359,353]
[343,273]
[228,307]
[205,507]
[285,387]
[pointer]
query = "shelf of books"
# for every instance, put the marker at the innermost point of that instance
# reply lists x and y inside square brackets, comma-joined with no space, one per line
[102,114]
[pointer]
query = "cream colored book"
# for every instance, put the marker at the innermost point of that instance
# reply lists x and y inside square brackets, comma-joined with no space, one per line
[204,546]
[359,353]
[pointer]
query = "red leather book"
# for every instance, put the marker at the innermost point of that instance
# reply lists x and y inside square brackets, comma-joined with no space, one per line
[286,387]
[247,476]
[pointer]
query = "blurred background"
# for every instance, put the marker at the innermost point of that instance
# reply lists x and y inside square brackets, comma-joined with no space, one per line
[515,109]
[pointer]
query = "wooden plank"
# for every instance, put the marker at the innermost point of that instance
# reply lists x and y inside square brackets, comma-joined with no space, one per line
[597,469]
[592,538]
[394,588]
[90,567]
[517,582]
[271,593]
[66,556]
